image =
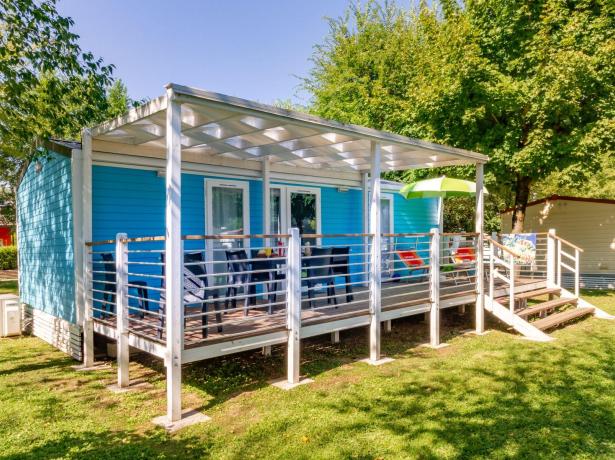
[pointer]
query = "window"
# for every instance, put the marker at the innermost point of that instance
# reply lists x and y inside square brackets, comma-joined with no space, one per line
[227,213]
[295,207]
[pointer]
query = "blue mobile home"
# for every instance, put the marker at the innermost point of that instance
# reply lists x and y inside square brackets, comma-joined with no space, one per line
[196,201]
[131,199]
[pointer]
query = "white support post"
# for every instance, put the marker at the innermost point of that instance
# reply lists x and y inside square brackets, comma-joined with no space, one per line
[434,289]
[558,266]
[86,234]
[376,265]
[511,293]
[365,188]
[266,198]
[491,270]
[266,216]
[174,260]
[441,214]
[294,307]
[335,337]
[551,257]
[577,273]
[480,264]
[387,326]
[121,310]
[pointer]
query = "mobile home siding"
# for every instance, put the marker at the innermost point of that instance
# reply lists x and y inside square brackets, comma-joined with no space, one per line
[46,253]
[133,200]
[45,238]
[589,225]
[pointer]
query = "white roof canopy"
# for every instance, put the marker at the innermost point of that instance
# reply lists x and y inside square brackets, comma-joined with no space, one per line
[223,126]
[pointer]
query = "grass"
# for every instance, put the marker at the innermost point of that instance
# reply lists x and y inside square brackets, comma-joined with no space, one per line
[8,287]
[495,396]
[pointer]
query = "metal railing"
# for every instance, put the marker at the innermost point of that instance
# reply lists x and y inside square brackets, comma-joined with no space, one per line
[567,261]
[241,284]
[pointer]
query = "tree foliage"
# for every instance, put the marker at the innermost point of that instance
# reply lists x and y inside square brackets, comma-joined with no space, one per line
[49,87]
[529,83]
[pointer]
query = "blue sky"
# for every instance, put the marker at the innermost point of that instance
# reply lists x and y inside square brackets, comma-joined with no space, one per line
[251,49]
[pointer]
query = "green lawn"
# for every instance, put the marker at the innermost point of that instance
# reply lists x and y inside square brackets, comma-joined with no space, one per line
[8,287]
[495,396]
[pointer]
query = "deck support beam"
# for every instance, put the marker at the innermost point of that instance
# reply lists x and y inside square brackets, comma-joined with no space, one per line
[86,235]
[434,289]
[480,268]
[121,303]
[173,259]
[375,255]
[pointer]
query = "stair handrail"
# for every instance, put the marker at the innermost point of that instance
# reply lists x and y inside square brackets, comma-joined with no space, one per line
[504,248]
[560,264]
[572,245]
[511,268]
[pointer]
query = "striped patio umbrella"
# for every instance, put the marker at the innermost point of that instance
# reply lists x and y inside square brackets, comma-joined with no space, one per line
[439,187]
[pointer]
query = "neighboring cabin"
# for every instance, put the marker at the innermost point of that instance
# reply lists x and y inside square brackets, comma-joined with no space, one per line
[587,222]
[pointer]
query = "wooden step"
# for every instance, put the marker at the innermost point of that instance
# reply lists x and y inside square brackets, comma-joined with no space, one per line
[559,318]
[544,306]
[537,293]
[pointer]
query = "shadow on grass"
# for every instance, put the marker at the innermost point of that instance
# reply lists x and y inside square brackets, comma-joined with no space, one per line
[225,377]
[115,445]
[513,411]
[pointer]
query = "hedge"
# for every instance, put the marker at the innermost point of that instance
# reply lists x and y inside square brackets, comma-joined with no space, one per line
[8,257]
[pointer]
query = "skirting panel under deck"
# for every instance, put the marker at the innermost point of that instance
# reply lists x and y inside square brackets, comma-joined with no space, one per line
[60,333]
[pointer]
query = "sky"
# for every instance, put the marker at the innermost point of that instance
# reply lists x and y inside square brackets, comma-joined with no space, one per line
[254,49]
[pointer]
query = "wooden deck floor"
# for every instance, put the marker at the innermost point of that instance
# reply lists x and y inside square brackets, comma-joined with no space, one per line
[235,325]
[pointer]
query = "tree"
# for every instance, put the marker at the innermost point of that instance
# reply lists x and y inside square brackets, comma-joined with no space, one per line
[49,87]
[530,83]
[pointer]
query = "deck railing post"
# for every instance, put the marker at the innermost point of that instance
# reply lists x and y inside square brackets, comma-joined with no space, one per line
[88,294]
[577,272]
[558,266]
[375,256]
[511,293]
[121,303]
[551,258]
[174,260]
[480,267]
[434,288]
[491,270]
[86,235]
[293,320]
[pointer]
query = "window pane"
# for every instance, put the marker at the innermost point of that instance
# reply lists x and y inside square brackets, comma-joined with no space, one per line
[303,212]
[385,216]
[227,210]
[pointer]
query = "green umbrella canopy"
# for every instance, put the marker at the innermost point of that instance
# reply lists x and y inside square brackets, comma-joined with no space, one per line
[439,187]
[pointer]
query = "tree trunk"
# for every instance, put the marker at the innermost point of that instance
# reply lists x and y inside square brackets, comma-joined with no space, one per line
[522,195]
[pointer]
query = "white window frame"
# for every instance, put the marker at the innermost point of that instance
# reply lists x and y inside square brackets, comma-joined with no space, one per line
[285,212]
[226,183]
[391,199]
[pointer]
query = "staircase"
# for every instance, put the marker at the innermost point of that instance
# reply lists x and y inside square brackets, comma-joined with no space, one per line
[535,308]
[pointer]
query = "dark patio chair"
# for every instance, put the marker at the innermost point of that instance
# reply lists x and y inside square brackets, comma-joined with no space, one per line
[196,291]
[340,257]
[108,300]
[237,278]
[269,277]
[318,271]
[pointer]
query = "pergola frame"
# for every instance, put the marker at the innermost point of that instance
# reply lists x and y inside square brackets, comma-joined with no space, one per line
[221,128]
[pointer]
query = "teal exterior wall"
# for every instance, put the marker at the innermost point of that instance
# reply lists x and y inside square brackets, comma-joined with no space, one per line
[45,238]
[133,200]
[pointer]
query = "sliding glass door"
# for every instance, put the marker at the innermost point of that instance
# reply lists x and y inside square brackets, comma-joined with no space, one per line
[295,207]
